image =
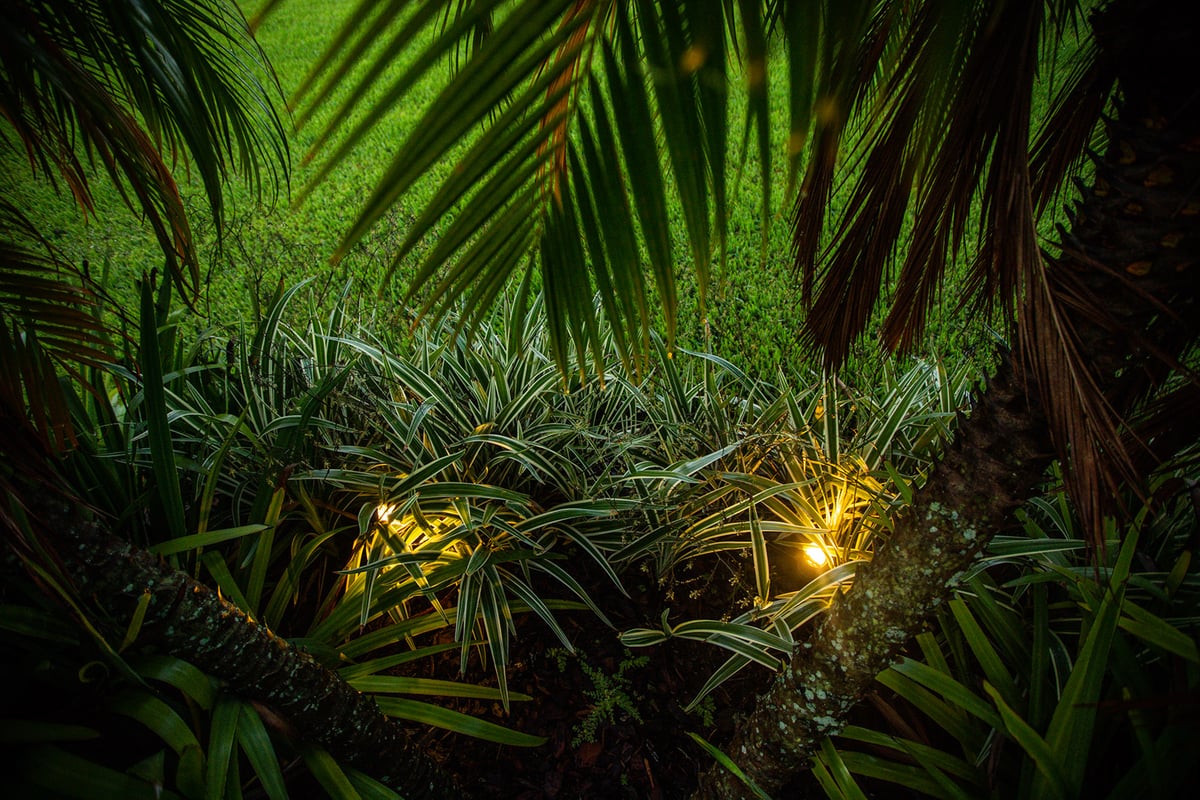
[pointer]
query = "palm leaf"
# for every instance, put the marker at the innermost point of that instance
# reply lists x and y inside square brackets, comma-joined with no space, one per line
[136,86]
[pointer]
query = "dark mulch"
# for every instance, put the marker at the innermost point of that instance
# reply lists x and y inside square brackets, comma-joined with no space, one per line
[624,757]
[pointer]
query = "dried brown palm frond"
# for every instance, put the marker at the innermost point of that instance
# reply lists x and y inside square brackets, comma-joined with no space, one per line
[950,124]
[849,43]
[132,89]
[1070,127]
[852,275]
[1166,427]
[941,149]
[1106,324]
[48,324]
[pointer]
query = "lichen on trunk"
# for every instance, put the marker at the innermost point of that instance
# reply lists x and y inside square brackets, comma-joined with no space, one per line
[190,621]
[1117,308]
[969,497]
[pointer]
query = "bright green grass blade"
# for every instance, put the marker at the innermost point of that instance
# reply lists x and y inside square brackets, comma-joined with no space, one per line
[1050,765]
[470,590]
[932,653]
[1001,621]
[288,586]
[368,787]
[135,622]
[197,540]
[939,758]
[428,714]
[726,762]
[946,715]
[328,773]
[497,619]
[993,667]
[215,563]
[953,692]
[262,550]
[255,742]
[825,778]
[1069,734]
[762,568]
[221,735]
[393,684]
[847,786]
[154,401]
[185,677]
[213,472]
[1157,632]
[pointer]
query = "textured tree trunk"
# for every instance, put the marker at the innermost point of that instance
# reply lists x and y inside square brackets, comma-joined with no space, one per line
[1132,252]
[999,454]
[189,621]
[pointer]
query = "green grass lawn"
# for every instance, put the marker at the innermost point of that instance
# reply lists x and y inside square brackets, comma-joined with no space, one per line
[754,312]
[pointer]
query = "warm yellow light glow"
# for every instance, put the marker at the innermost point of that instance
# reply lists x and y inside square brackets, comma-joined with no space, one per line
[693,59]
[816,555]
[383,513]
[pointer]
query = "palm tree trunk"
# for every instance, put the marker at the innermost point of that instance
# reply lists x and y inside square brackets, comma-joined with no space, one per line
[1126,286]
[189,621]
[999,454]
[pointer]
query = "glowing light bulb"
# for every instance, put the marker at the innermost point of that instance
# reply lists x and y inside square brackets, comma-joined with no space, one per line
[816,555]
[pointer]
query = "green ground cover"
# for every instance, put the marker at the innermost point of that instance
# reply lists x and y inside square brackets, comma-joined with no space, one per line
[754,312]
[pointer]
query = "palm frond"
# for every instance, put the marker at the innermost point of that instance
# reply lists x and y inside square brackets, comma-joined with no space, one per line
[49,325]
[1066,134]
[832,43]
[555,118]
[928,99]
[137,86]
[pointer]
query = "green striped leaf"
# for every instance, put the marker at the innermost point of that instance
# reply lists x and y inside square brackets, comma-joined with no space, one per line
[427,714]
